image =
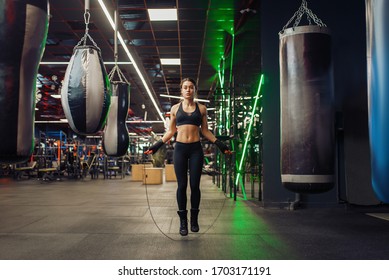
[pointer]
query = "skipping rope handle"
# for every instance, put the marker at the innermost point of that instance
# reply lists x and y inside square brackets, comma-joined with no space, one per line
[222,147]
[154,148]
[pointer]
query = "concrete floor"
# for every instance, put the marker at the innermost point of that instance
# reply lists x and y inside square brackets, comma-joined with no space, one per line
[118,219]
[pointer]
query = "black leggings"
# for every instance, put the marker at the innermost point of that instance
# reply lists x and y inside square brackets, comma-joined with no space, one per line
[188,156]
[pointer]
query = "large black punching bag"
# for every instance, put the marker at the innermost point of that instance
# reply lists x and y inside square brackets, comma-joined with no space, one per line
[307,113]
[23,30]
[377,16]
[115,138]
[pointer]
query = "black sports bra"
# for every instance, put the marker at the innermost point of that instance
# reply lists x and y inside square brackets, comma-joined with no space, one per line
[183,117]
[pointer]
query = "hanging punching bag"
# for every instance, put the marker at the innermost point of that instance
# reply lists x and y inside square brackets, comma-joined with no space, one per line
[307,113]
[116,139]
[377,17]
[23,30]
[86,91]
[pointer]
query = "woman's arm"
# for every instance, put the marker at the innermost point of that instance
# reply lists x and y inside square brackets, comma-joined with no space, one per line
[169,134]
[208,134]
[172,125]
[204,124]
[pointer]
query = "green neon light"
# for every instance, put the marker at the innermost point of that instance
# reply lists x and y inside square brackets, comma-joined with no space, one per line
[221,81]
[231,71]
[232,56]
[247,137]
[221,15]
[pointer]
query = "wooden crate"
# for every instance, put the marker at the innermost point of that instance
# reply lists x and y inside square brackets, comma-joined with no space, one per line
[170,175]
[137,171]
[153,176]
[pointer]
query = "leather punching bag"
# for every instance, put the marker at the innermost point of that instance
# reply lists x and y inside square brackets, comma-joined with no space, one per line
[377,17]
[116,139]
[23,31]
[86,91]
[307,113]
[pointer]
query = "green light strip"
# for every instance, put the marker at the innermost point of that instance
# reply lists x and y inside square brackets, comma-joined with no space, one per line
[247,137]
[223,93]
[228,111]
[232,56]
[221,81]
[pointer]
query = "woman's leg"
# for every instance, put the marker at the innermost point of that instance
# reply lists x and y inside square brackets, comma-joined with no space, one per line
[180,161]
[195,169]
[196,161]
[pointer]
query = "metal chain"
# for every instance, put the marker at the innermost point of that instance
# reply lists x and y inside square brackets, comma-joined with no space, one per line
[291,19]
[303,9]
[315,18]
[86,20]
[84,39]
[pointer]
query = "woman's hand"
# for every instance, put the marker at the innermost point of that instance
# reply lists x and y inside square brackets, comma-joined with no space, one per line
[154,148]
[223,147]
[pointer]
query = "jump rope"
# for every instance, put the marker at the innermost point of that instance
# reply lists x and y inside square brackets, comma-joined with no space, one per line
[197,235]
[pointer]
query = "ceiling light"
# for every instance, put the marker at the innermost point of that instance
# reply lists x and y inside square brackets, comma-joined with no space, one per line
[66,63]
[170,96]
[60,121]
[170,61]
[162,14]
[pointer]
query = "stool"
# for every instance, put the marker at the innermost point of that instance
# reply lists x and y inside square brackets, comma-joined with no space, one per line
[153,176]
[112,171]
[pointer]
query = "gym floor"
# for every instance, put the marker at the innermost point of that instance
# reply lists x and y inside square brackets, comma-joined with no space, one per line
[119,219]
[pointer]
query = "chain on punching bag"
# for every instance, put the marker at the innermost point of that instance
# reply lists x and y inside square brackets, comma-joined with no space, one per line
[86,91]
[307,113]
[377,17]
[23,31]
[115,138]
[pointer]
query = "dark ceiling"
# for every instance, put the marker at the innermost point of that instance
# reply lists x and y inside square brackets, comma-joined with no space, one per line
[200,37]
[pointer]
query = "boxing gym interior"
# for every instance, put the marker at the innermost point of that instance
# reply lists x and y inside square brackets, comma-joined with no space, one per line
[296,89]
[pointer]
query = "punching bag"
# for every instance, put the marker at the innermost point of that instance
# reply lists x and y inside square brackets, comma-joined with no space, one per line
[307,113]
[23,30]
[377,17]
[86,91]
[116,139]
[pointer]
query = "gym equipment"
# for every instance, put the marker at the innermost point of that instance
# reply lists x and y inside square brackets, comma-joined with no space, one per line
[115,138]
[23,30]
[377,13]
[86,90]
[307,111]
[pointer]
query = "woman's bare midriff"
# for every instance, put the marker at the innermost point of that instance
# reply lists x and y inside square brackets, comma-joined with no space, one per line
[188,133]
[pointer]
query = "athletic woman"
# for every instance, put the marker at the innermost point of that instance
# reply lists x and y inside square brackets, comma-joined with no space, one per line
[188,118]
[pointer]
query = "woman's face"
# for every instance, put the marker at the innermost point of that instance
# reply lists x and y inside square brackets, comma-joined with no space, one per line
[188,90]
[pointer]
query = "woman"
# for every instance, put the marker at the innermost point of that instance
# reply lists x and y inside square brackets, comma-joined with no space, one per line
[186,118]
